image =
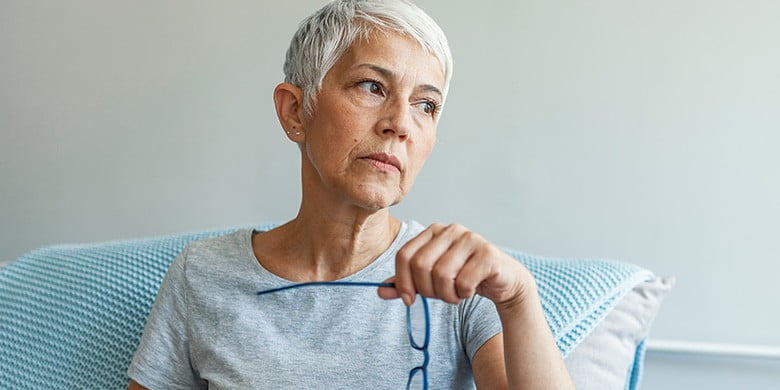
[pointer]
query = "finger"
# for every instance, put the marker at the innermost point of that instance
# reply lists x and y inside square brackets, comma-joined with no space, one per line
[404,283]
[471,275]
[446,269]
[426,259]
[388,292]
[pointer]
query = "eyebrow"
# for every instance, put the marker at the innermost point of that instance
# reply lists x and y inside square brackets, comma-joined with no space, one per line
[391,75]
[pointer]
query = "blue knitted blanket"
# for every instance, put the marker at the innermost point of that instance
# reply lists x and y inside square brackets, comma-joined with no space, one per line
[71,316]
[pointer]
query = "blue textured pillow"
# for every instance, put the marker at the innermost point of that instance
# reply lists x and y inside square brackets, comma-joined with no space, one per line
[72,315]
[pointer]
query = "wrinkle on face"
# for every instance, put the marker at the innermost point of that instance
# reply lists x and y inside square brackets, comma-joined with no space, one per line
[349,121]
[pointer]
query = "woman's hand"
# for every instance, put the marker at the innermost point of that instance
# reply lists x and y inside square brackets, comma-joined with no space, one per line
[452,263]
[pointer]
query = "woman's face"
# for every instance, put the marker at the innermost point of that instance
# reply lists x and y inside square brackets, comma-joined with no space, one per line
[374,122]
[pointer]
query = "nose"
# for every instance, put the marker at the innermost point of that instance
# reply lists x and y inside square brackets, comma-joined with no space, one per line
[396,120]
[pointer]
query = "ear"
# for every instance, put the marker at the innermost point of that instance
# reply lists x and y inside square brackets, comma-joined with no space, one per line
[288,100]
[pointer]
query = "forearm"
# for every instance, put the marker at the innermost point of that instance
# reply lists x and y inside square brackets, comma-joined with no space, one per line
[532,358]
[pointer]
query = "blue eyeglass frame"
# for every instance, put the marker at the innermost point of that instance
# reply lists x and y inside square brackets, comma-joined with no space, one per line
[419,370]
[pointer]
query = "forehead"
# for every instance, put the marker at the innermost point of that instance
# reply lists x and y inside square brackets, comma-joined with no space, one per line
[400,54]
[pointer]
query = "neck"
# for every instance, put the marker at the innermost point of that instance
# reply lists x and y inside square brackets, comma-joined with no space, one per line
[327,240]
[332,246]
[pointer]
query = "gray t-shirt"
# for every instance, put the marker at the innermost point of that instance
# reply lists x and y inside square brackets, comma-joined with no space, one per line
[209,329]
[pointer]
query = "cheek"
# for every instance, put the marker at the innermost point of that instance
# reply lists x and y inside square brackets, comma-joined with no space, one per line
[335,136]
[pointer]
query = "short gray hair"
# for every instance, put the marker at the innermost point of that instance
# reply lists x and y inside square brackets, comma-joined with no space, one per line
[323,37]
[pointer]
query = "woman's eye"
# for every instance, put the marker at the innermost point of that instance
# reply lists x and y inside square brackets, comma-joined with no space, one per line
[372,87]
[428,107]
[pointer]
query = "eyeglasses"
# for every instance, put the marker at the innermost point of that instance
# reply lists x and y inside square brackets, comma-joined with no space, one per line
[417,326]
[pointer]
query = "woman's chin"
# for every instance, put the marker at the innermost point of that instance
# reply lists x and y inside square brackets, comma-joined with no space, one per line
[377,200]
[376,204]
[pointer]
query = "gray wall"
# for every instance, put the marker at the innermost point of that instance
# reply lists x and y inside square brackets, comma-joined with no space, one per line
[643,131]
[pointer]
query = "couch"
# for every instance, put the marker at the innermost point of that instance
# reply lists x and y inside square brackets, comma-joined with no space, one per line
[72,315]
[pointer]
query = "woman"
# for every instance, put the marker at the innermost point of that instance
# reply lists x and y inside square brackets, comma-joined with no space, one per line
[365,83]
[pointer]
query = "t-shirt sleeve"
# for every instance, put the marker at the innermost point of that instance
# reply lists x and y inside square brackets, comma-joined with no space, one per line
[479,323]
[162,359]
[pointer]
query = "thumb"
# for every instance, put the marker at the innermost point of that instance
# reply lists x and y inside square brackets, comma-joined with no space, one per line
[388,292]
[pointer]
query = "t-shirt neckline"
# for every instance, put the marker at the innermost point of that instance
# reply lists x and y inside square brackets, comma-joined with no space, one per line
[275,279]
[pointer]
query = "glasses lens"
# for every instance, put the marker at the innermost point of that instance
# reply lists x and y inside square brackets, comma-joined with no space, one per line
[416,380]
[418,323]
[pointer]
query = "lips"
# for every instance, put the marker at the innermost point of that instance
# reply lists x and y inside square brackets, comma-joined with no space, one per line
[383,160]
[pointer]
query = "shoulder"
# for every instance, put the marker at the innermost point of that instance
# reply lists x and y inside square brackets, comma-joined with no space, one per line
[228,243]
[208,253]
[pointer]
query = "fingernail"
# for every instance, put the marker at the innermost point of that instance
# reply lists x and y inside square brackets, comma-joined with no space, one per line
[407,299]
